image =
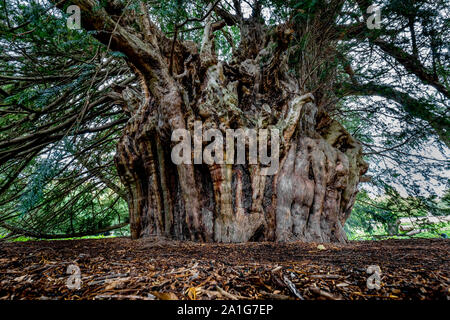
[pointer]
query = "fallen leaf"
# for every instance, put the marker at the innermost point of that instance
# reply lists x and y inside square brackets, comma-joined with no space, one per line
[342,284]
[165,295]
[21,278]
[192,293]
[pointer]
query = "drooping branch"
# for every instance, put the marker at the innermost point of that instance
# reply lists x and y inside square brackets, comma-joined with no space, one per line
[37,235]
[98,174]
[410,62]
[418,108]
[144,55]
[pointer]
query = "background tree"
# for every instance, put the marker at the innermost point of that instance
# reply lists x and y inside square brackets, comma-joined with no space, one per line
[140,69]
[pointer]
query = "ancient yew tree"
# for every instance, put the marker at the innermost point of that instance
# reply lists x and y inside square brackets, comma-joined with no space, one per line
[139,70]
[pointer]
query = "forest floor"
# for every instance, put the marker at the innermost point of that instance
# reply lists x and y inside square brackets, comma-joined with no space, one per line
[119,268]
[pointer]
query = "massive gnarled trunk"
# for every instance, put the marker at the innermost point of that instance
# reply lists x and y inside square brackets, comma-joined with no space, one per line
[311,195]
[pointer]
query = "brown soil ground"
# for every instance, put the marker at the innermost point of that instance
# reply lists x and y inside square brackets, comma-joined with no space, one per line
[119,268]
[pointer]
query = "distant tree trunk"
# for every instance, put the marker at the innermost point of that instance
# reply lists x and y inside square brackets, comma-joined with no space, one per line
[309,198]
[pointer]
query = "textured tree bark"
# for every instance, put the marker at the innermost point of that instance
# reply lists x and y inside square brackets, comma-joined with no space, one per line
[309,198]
